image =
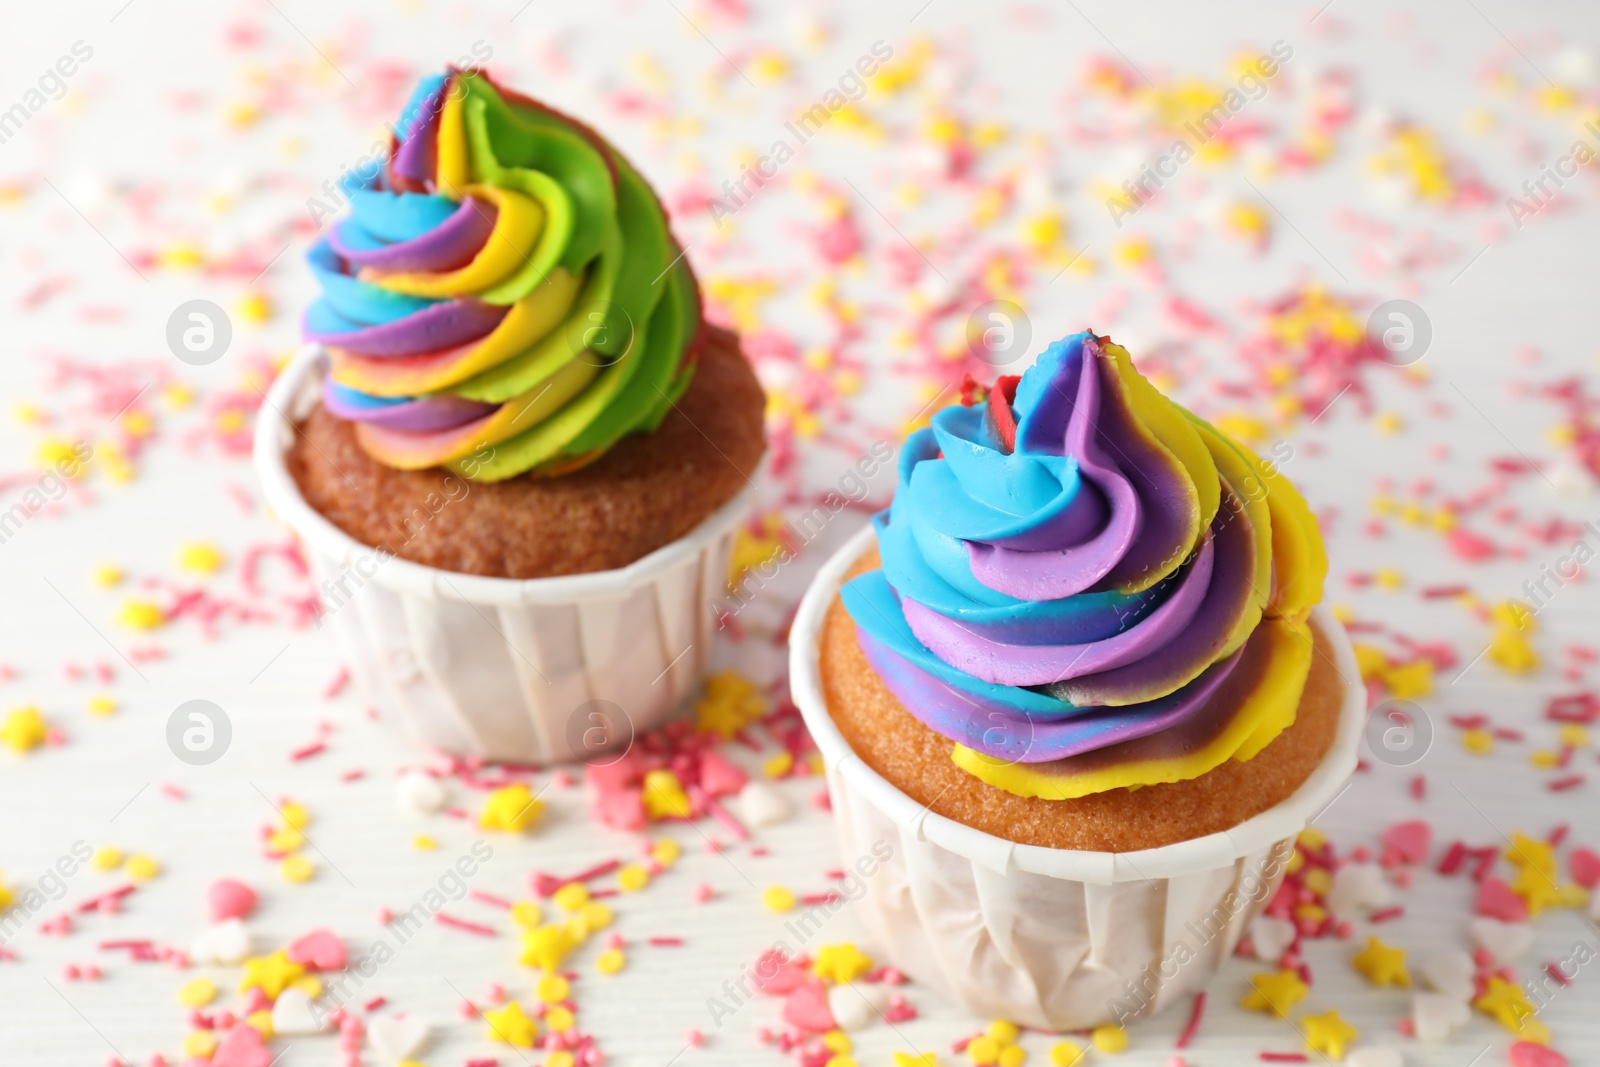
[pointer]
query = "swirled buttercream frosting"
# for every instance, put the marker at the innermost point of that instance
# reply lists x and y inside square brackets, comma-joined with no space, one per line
[504,295]
[1087,587]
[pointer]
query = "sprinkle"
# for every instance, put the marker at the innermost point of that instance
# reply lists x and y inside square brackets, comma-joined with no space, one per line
[461,924]
[1109,1038]
[1193,1025]
[297,869]
[778,899]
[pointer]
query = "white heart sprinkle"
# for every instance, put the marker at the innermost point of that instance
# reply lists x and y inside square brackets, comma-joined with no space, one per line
[855,1006]
[1434,1015]
[1271,937]
[761,805]
[1502,940]
[224,942]
[1449,973]
[294,1014]
[1358,885]
[420,794]
[396,1039]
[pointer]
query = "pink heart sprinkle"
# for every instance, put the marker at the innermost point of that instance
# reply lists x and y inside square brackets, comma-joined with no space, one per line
[242,1047]
[1585,866]
[775,975]
[321,950]
[1409,840]
[807,1009]
[1527,1054]
[1497,901]
[720,776]
[230,899]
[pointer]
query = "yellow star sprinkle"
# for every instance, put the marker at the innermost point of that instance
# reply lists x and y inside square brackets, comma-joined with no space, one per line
[23,730]
[1510,1006]
[731,703]
[841,963]
[510,1025]
[270,974]
[1528,851]
[1327,1033]
[1382,965]
[1537,888]
[1276,993]
[512,808]
[546,946]
[664,797]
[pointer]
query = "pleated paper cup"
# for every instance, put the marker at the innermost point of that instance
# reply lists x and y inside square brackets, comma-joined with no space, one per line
[525,671]
[1055,939]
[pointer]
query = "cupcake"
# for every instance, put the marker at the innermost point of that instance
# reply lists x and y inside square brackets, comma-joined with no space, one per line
[1076,678]
[515,448]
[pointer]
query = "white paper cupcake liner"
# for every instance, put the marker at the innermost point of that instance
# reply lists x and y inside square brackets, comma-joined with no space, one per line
[1055,939]
[525,671]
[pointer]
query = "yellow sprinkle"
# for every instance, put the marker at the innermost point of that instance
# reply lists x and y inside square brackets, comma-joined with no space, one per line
[200,1045]
[1479,742]
[526,914]
[106,858]
[1410,681]
[282,841]
[664,797]
[309,984]
[595,916]
[632,878]
[106,575]
[666,852]
[1574,736]
[552,989]
[1545,759]
[1389,578]
[559,1021]
[295,816]
[142,868]
[23,729]
[1388,423]
[1065,1053]
[1319,881]
[261,1022]
[837,1042]
[1004,1032]
[570,897]
[255,308]
[841,963]
[1311,838]
[297,869]
[1013,1056]
[984,1050]
[102,704]
[141,615]
[424,843]
[610,961]
[197,993]
[511,808]
[778,898]
[779,765]
[1112,1039]
[200,557]
[181,256]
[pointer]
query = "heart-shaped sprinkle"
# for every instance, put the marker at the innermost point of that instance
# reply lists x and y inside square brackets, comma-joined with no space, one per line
[1449,973]
[1271,937]
[1584,863]
[396,1039]
[1502,940]
[321,950]
[224,942]
[243,1046]
[762,805]
[1527,1054]
[230,898]
[293,1014]
[807,1009]
[1496,900]
[1408,841]
[854,1007]
[1434,1015]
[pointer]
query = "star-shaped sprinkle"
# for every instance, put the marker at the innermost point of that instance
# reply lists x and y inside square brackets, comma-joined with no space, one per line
[510,1025]
[1382,965]
[1509,1005]
[512,808]
[270,974]
[1537,888]
[546,946]
[664,797]
[1276,993]
[1329,1034]
[841,963]
[1528,851]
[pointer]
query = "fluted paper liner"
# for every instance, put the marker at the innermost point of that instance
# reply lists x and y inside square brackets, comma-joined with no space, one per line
[518,670]
[1055,939]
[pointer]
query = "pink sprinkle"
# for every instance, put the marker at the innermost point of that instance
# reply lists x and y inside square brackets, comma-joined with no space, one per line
[665,942]
[1561,785]
[354,774]
[307,751]
[1194,1021]
[375,1003]
[385,916]
[703,893]
[461,924]
[1386,914]
[694,1038]
[467,1010]
[1284,1057]
[1553,969]
[174,791]
[336,686]
[489,898]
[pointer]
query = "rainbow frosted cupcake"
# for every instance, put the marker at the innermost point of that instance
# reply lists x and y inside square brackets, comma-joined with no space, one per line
[1076,674]
[513,443]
